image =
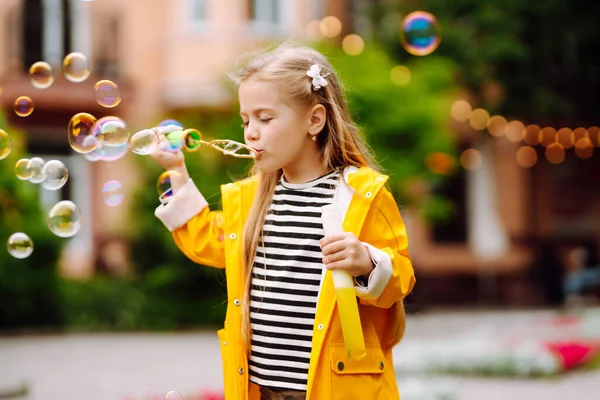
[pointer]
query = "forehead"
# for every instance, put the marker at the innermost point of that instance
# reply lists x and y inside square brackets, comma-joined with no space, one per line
[255,93]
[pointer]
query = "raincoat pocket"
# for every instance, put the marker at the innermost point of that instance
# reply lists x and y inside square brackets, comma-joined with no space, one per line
[359,379]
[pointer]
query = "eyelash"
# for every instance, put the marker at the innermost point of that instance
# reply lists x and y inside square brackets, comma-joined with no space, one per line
[264,121]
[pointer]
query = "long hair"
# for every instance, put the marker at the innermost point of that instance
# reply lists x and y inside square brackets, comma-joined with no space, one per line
[340,141]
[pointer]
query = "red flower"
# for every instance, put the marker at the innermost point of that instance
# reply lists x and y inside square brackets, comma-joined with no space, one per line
[571,354]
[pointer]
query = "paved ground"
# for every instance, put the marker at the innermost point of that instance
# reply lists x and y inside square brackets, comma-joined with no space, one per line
[139,366]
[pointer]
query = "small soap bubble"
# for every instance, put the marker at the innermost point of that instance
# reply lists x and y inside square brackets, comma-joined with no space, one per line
[144,142]
[110,153]
[164,183]
[107,93]
[41,75]
[113,193]
[19,245]
[80,133]
[64,219]
[420,33]
[56,175]
[36,168]
[5,145]
[76,67]
[172,122]
[92,156]
[112,131]
[23,106]
[22,170]
[173,395]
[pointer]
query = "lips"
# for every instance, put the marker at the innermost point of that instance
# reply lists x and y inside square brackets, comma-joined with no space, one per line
[258,152]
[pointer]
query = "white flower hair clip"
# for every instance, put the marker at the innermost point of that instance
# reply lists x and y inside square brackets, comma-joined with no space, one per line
[318,80]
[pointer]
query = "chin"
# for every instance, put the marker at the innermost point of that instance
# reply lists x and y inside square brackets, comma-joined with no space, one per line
[265,168]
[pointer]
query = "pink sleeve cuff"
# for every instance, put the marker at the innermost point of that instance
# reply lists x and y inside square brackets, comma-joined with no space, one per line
[183,206]
[379,277]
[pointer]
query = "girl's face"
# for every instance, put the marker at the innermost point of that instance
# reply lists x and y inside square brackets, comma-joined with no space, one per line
[279,131]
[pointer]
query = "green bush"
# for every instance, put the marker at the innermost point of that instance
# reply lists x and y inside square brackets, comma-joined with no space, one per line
[29,295]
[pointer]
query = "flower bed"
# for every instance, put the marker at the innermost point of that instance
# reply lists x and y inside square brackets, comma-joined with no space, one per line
[543,348]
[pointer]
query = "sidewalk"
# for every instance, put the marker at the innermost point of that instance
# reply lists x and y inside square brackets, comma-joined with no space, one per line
[138,366]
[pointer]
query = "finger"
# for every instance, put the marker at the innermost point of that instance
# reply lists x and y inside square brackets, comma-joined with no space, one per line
[331,258]
[334,247]
[333,238]
[341,264]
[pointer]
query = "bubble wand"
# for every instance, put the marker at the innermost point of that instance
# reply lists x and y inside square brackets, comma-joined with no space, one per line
[191,141]
[344,293]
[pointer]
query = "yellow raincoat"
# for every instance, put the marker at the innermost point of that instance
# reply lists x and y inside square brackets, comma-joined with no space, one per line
[369,211]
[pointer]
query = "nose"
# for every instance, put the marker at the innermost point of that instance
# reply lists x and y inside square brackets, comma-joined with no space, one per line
[251,133]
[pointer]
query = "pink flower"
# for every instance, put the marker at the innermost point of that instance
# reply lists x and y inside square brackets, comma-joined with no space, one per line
[571,354]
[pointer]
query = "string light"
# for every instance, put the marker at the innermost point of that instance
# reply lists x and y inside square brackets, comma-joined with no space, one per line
[581,140]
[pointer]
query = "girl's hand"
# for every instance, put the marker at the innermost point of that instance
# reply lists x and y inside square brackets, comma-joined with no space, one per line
[344,251]
[165,157]
[169,159]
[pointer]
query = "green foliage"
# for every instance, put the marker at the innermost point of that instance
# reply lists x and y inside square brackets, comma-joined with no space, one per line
[163,299]
[537,51]
[29,295]
[402,124]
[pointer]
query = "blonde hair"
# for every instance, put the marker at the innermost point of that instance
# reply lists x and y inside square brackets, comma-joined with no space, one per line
[340,142]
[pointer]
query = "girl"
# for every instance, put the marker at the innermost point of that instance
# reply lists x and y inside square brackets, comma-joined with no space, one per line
[282,337]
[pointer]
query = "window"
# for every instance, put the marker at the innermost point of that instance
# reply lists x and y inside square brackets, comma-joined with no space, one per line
[453,229]
[198,11]
[266,13]
[33,26]
[46,31]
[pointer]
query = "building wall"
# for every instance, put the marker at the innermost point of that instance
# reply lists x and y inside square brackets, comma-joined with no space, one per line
[162,58]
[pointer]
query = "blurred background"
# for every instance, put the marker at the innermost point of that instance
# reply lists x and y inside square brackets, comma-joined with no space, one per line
[484,114]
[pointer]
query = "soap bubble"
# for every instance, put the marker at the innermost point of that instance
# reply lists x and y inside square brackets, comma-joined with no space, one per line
[23,106]
[110,153]
[64,219]
[19,245]
[41,75]
[173,395]
[420,33]
[76,67]
[81,137]
[164,184]
[36,166]
[107,93]
[5,145]
[168,122]
[113,193]
[22,170]
[112,131]
[56,175]
[144,142]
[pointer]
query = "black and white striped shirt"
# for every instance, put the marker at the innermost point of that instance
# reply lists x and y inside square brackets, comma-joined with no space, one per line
[286,276]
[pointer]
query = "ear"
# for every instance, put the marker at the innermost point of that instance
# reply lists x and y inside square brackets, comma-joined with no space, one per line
[318,117]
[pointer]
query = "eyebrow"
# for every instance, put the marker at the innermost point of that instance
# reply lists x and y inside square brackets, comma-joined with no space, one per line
[260,109]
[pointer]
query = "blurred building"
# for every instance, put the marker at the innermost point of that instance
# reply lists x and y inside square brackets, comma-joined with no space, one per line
[511,225]
[165,55]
